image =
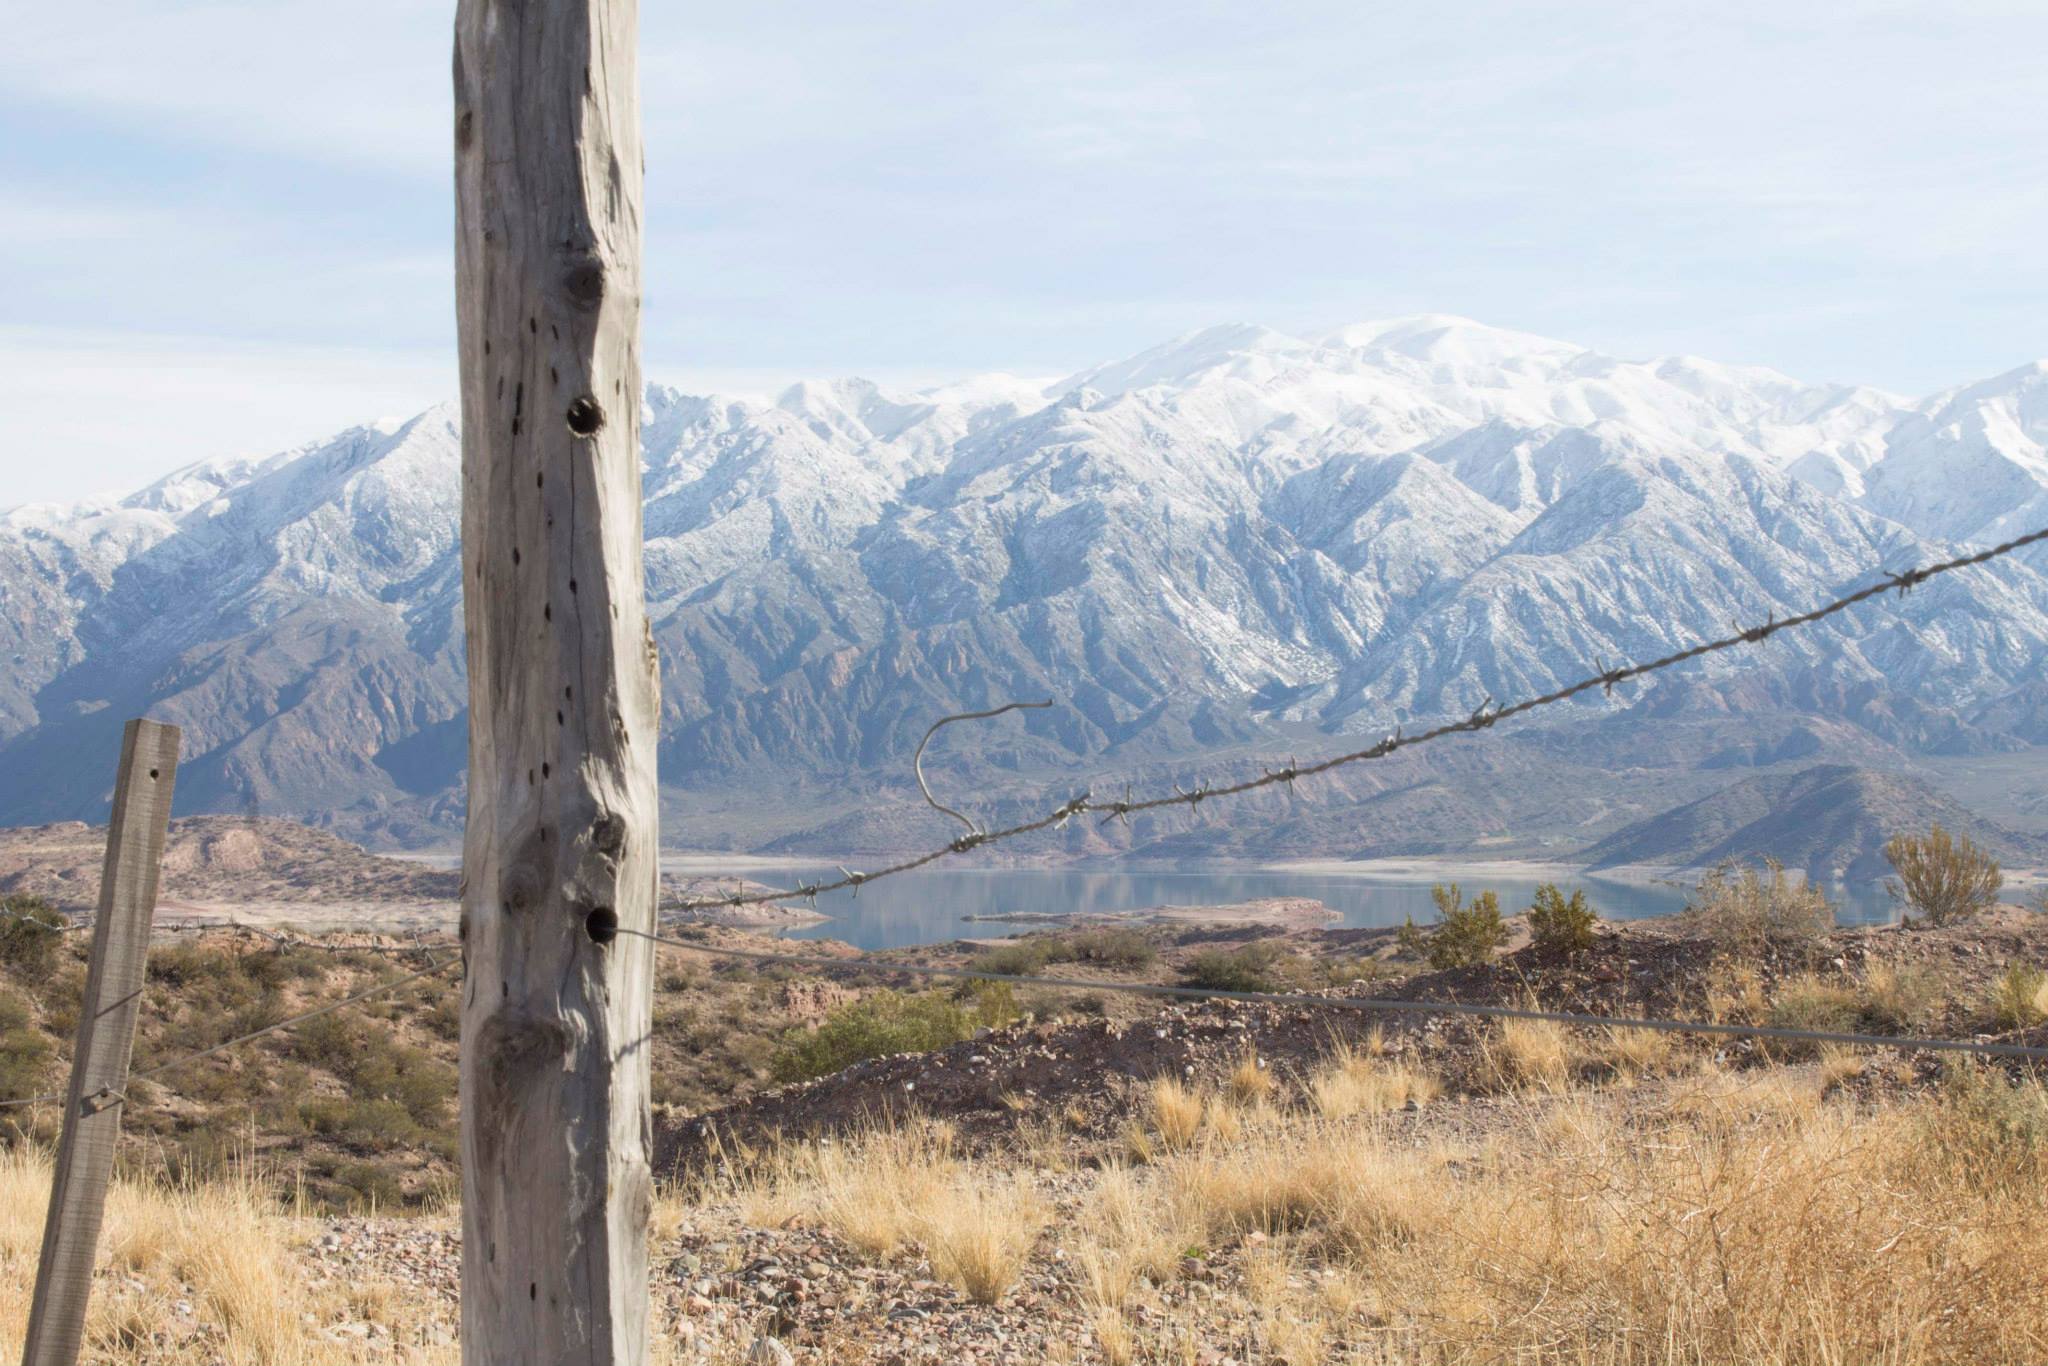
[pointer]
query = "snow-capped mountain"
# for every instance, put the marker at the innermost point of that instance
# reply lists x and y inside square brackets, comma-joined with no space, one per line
[1236,538]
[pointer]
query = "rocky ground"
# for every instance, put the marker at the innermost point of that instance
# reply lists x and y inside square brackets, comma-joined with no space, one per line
[755,1257]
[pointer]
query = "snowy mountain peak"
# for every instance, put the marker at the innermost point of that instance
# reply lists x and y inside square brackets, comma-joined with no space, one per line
[1233,537]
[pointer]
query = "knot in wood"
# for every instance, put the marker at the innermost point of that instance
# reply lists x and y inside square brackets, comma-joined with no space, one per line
[583,281]
[522,882]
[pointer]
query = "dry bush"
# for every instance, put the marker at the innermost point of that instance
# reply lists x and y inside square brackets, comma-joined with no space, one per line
[1114,1338]
[2019,998]
[1839,1064]
[1746,1221]
[1900,998]
[1945,878]
[1250,1081]
[874,1194]
[224,1245]
[1639,1052]
[1128,1236]
[1353,1082]
[886,1189]
[1175,1110]
[1529,1054]
[1745,910]
[979,1236]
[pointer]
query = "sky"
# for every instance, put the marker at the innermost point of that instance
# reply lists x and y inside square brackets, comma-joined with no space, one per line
[226,225]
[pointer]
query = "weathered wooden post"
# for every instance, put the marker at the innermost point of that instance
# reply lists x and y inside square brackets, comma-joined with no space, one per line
[106,1037]
[560,855]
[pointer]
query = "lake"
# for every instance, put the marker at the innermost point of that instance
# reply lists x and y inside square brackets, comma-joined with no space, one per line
[934,905]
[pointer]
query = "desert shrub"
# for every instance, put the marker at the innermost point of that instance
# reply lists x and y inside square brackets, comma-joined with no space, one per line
[1119,948]
[1021,958]
[1464,935]
[30,931]
[1900,997]
[1945,878]
[1811,1002]
[1745,910]
[376,1067]
[887,1022]
[2019,998]
[1249,968]
[24,1051]
[1989,1126]
[1112,947]
[1561,927]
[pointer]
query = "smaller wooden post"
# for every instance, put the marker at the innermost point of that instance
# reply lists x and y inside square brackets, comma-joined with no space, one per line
[106,1035]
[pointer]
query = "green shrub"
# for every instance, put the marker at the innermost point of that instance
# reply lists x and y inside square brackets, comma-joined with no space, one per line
[24,1051]
[1019,958]
[30,931]
[888,1022]
[1561,927]
[1464,935]
[1119,948]
[374,1066]
[1246,969]
[1111,947]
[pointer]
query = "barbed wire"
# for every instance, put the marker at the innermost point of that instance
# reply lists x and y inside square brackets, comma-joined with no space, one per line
[1487,715]
[1716,1028]
[285,940]
[67,925]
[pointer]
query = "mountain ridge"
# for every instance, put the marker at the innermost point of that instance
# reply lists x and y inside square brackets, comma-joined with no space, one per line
[1238,538]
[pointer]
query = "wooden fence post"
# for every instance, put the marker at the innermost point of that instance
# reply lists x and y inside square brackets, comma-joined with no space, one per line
[106,1036]
[559,858]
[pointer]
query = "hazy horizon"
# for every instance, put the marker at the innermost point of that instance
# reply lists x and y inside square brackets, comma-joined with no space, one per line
[215,245]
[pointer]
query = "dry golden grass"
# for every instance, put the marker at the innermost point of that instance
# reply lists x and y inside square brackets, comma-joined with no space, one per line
[1529,1055]
[1250,1082]
[2019,998]
[1745,1220]
[225,1246]
[979,1237]
[889,1189]
[1639,1052]
[1357,1081]
[1175,1110]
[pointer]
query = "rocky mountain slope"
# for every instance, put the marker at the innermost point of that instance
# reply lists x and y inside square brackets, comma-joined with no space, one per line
[1827,819]
[1239,541]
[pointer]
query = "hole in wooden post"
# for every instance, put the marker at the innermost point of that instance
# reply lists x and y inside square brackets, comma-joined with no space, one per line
[152,773]
[602,925]
[585,417]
